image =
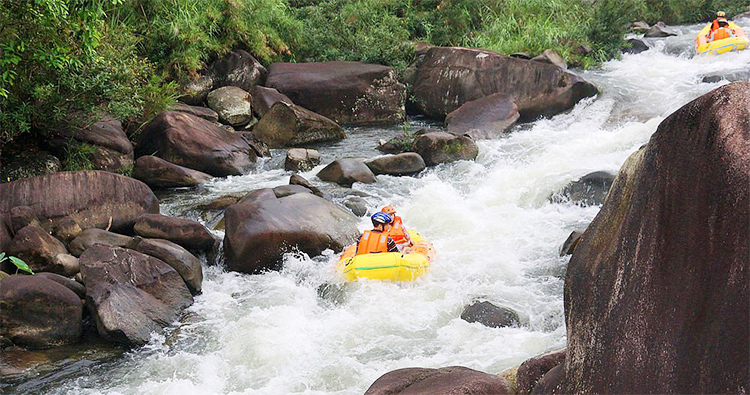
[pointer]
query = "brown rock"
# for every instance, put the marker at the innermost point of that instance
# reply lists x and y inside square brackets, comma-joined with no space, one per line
[237,68]
[220,203]
[657,293]
[290,125]
[490,315]
[202,112]
[660,30]
[180,259]
[5,237]
[103,158]
[569,246]
[350,93]
[189,234]
[484,118]
[66,229]
[296,179]
[532,370]
[441,147]
[444,381]
[89,237]
[195,143]
[234,105]
[38,249]
[301,159]
[406,164]
[21,217]
[346,172]
[158,173]
[94,199]
[68,283]
[551,57]
[69,264]
[264,98]
[107,132]
[551,382]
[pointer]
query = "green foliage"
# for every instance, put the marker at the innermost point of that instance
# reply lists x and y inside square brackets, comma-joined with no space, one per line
[686,11]
[78,156]
[19,263]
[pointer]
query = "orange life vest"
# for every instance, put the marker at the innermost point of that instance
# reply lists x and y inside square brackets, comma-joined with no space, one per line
[720,34]
[397,232]
[372,242]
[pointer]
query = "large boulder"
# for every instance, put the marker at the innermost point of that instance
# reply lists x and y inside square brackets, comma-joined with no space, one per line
[442,147]
[264,98]
[180,259]
[237,68]
[21,217]
[350,93]
[103,158]
[449,77]
[38,249]
[291,125]
[37,312]
[301,159]
[405,164]
[158,173]
[130,294]
[67,282]
[660,30]
[486,117]
[196,143]
[233,105]
[532,370]
[111,150]
[444,381]
[261,228]
[94,199]
[198,111]
[346,172]
[187,233]
[657,293]
[89,237]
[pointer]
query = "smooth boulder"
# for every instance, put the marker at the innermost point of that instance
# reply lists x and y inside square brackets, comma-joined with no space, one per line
[288,125]
[234,105]
[36,312]
[485,118]
[346,172]
[301,159]
[660,30]
[67,282]
[180,259]
[198,111]
[66,229]
[444,381]
[350,93]
[38,249]
[261,228]
[449,77]
[158,173]
[441,147]
[130,294]
[405,164]
[111,150]
[490,315]
[237,68]
[90,237]
[94,199]
[21,217]
[195,143]
[533,369]
[264,98]
[660,277]
[187,233]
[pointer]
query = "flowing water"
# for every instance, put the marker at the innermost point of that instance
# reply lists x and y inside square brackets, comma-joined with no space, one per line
[496,234]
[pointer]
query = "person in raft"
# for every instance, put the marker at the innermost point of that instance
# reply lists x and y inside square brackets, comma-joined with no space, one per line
[377,239]
[720,28]
[397,231]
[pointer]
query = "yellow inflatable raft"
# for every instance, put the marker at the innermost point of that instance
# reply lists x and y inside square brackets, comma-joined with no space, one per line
[729,44]
[394,266]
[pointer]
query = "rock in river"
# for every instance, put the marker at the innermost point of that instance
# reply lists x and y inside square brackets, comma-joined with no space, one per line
[288,125]
[441,147]
[444,381]
[490,315]
[180,259]
[158,173]
[484,118]
[405,164]
[38,249]
[187,233]
[346,172]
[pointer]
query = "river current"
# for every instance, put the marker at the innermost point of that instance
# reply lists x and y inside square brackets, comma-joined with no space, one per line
[496,234]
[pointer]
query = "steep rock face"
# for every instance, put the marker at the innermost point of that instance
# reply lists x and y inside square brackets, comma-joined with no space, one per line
[91,198]
[350,93]
[444,381]
[261,228]
[448,77]
[656,293]
[195,143]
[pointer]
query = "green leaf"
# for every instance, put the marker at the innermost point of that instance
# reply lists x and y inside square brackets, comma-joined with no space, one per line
[21,265]
[2,256]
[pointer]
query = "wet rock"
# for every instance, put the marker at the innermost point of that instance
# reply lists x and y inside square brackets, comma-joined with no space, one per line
[488,117]
[661,278]
[346,172]
[36,312]
[195,143]
[350,93]
[189,234]
[296,179]
[261,149]
[237,68]
[639,27]
[551,57]
[286,190]
[194,91]
[29,164]
[532,370]
[202,112]
[89,237]
[233,105]
[262,227]
[660,30]
[441,147]
[290,125]
[219,203]
[68,283]
[490,315]
[158,173]
[452,76]
[91,198]
[38,249]
[21,217]
[635,46]
[444,381]
[571,242]
[66,229]
[551,382]
[130,294]
[732,76]
[406,164]
[301,159]
[589,190]
[357,205]
[264,98]
[180,259]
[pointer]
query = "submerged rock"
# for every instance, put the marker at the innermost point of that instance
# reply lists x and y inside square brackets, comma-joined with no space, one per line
[346,172]
[490,315]
[287,125]
[635,46]
[444,381]
[589,190]
[661,278]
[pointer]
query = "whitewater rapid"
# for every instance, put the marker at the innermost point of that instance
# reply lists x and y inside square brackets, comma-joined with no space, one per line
[496,234]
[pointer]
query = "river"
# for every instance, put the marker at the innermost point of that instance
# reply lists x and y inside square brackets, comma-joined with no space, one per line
[496,234]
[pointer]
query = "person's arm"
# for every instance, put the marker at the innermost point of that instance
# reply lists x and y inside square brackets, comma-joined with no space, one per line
[392,245]
[356,248]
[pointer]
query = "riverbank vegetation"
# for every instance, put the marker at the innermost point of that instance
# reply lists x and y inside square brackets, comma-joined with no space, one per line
[64,61]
